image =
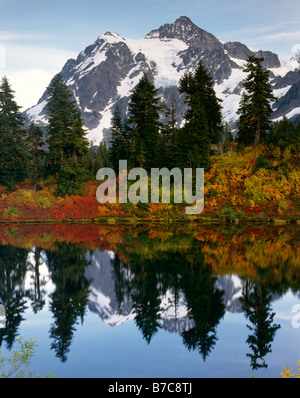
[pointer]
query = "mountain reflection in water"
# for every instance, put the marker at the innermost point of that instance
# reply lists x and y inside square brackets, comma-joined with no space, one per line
[183,280]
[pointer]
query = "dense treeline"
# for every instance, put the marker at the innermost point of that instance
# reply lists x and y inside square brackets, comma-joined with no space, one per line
[140,138]
[62,151]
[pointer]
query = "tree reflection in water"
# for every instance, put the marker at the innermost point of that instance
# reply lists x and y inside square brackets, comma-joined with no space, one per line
[148,266]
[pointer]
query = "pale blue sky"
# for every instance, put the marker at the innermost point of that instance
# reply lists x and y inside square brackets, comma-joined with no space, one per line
[37,36]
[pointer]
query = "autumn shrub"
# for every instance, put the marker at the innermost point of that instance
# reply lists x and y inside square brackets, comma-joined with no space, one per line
[23,197]
[261,162]
[288,374]
[12,212]
[254,180]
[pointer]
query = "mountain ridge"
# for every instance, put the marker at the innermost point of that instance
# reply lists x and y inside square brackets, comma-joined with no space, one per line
[106,71]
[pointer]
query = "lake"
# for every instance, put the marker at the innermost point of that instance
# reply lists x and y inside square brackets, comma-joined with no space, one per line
[153,301]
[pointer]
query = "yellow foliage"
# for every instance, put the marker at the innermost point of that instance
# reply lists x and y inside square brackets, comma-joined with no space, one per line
[235,181]
[287,372]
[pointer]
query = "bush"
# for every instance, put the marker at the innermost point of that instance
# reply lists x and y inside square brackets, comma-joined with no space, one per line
[18,364]
[261,162]
[12,212]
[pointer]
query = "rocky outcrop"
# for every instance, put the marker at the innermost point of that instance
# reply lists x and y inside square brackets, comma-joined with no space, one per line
[105,73]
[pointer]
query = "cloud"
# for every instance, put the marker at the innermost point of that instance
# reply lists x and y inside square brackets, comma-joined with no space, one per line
[282,36]
[30,68]
[29,86]
[19,56]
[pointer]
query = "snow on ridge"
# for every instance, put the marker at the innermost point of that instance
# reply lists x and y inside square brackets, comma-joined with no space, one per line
[225,91]
[294,112]
[35,110]
[165,55]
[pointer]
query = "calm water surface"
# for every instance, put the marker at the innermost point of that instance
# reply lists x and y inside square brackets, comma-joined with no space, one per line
[130,302]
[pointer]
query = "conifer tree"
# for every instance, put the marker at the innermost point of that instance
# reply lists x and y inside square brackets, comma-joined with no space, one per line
[144,108]
[118,144]
[199,87]
[68,146]
[227,138]
[169,147]
[194,138]
[13,159]
[203,119]
[255,106]
[35,144]
[101,157]
[284,134]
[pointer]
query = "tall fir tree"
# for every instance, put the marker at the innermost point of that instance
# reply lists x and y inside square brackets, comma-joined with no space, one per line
[144,115]
[255,106]
[13,157]
[69,154]
[203,118]
[199,87]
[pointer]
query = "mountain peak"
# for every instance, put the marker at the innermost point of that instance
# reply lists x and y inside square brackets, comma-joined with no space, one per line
[183,21]
[105,73]
[185,30]
[175,30]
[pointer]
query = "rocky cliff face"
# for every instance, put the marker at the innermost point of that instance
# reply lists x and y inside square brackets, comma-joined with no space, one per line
[105,73]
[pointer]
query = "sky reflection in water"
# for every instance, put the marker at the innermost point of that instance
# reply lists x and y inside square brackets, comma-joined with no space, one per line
[108,305]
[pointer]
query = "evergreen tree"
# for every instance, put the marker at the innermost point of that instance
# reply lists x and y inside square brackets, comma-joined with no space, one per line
[169,144]
[227,139]
[255,106]
[144,108]
[68,146]
[199,87]
[194,138]
[118,144]
[35,144]
[13,158]
[69,301]
[256,301]
[13,269]
[283,134]
[202,119]
[101,157]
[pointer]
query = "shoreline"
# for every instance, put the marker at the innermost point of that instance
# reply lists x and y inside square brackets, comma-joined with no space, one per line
[112,220]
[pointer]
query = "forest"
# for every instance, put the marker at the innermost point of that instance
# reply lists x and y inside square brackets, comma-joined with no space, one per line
[250,173]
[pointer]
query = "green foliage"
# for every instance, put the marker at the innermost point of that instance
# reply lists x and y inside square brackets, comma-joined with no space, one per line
[284,134]
[261,162]
[199,87]
[119,146]
[35,144]
[227,139]
[12,212]
[13,159]
[144,108]
[203,120]
[231,214]
[170,146]
[69,155]
[18,364]
[255,105]
[101,157]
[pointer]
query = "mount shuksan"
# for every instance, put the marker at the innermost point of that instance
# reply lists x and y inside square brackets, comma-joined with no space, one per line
[106,72]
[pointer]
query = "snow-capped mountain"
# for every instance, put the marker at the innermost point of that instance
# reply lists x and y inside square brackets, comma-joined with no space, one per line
[106,72]
[173,311]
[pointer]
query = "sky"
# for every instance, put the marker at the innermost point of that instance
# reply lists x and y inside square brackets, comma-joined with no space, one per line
[37,37]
